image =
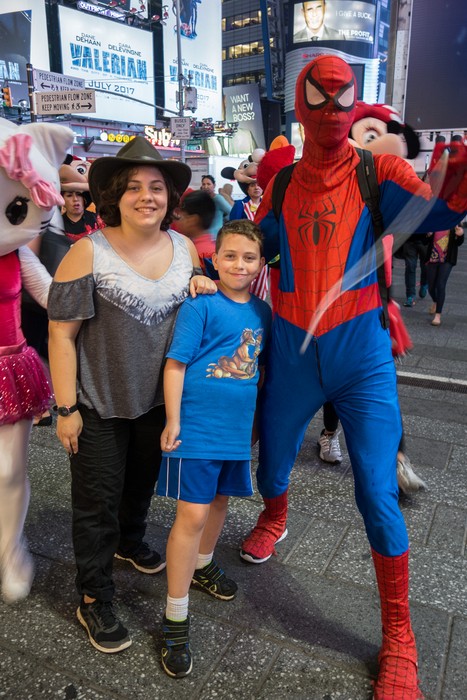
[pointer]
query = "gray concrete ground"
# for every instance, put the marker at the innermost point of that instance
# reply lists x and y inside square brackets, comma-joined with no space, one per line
[306,624]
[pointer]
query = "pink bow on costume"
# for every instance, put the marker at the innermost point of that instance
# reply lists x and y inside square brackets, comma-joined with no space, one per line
[14,157]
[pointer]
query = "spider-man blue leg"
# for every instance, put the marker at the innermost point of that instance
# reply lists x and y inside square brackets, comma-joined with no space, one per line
[365,397]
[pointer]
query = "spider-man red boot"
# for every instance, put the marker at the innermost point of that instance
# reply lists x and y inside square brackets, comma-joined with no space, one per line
[397,677]
[270,529]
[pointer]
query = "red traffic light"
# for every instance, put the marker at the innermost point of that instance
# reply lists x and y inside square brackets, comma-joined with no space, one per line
[6,96]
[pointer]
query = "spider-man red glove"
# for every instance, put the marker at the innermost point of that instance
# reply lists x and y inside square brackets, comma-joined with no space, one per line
[454,183]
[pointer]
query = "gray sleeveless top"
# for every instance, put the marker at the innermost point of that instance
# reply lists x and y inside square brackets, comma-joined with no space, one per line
[127,327]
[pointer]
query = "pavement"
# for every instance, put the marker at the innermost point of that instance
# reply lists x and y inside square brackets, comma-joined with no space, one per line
[306,624]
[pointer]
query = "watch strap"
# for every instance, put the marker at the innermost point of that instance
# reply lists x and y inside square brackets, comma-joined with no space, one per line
[65,410]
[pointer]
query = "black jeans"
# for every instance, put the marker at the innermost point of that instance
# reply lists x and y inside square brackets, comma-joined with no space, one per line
[113,476]
[437,275]
[330,418]
[414,251]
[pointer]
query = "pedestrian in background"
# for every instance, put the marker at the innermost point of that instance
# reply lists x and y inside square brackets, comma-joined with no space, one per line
[195,216]
[208,184]
[246,208]
[441,258]
[414,251]
[77,220]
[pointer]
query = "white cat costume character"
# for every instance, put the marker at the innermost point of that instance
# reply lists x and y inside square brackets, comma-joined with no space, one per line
[29,193]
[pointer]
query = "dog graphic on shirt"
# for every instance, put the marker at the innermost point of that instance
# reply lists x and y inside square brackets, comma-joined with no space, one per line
[243,363]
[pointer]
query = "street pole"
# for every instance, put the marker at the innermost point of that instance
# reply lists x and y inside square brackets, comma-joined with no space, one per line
[181,80]
[30,77]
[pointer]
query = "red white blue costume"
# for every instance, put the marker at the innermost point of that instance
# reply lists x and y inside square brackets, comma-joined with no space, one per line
[323,230]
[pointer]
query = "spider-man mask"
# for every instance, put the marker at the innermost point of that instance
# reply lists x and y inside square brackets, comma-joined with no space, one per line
[325,101]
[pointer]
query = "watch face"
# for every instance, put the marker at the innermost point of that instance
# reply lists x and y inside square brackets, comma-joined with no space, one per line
[65,410]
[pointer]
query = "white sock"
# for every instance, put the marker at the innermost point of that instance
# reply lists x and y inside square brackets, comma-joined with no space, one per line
[204,560]
[177,609]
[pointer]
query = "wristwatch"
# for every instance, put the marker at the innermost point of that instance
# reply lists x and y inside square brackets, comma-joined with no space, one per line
[65,410]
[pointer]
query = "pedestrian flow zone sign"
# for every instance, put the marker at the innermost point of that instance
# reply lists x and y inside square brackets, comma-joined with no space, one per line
[45,81]
[67,102]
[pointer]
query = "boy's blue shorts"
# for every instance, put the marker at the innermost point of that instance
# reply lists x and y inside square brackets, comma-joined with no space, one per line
[199,480]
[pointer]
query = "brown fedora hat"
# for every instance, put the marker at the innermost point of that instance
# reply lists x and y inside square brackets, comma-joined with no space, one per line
[72,181]
[136,152]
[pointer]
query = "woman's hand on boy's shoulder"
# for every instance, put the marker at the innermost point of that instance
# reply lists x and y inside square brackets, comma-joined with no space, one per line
[199,284]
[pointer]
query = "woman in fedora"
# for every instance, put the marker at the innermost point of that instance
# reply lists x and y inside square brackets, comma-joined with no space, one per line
[112,307]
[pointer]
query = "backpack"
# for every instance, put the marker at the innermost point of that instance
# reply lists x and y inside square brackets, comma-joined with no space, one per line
[369,189]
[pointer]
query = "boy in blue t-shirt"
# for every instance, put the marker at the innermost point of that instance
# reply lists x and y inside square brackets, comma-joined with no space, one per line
[210,386]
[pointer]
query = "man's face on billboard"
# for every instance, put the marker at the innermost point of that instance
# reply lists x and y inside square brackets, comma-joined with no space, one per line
[314,14]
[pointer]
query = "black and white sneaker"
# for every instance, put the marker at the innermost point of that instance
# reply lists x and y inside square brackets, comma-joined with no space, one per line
[212,579]
[144,559]
[105,631]
[176,652]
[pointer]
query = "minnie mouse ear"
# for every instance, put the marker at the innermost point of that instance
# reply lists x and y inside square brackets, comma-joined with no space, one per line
[228,173]
[411,139]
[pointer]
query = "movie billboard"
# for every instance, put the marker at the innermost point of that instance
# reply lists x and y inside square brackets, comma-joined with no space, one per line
[23,39]
[243,108]
[201,56]
[332,20]
[115,60]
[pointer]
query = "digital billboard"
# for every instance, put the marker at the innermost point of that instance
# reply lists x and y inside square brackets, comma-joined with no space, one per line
[115,60]
[332,20]
[23,39]
[436,94]
[201,56]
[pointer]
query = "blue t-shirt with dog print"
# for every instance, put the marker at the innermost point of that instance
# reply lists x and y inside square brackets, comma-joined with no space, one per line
[220,341]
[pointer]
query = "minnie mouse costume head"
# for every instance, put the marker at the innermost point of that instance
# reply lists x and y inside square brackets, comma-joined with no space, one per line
[379,128]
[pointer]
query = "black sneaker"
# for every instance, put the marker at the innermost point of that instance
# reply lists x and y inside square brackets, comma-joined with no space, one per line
[105,631]
[144,559]
[212,579]
[176,652]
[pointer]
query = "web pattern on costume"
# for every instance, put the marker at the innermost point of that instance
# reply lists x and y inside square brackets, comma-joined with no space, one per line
[320,229]
[397,677]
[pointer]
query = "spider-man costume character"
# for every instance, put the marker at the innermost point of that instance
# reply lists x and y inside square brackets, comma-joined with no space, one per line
[323,230]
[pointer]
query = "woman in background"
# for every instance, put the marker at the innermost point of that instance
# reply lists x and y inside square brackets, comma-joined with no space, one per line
[441,258]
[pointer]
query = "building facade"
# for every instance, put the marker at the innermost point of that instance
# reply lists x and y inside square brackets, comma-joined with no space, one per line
[253,53]
[253,48]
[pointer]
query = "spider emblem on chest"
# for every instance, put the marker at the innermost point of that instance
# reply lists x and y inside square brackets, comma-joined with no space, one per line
[317,224]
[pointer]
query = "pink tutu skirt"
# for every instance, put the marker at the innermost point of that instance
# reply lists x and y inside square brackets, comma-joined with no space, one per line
[25,389]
